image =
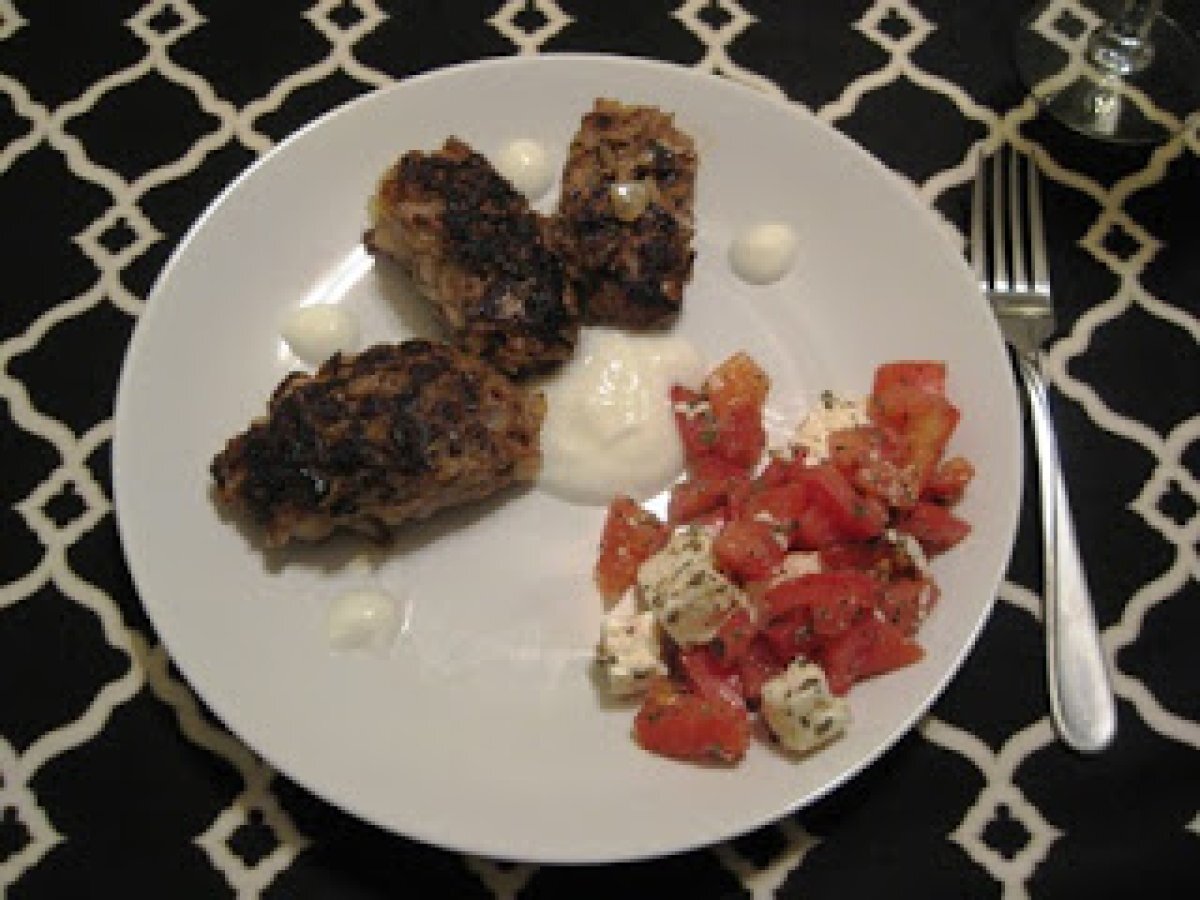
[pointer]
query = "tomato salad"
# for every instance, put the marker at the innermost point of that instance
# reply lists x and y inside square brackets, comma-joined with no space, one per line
[779,579]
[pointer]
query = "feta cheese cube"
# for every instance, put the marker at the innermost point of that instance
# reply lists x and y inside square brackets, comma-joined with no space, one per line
[833,414]
[800,710]
[680,584]
[795,564]
[629,654]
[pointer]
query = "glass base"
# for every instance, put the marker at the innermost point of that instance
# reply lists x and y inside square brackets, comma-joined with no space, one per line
[1084,90]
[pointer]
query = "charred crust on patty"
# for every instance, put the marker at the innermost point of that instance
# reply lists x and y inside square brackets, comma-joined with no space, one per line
[479,253]
[391,434]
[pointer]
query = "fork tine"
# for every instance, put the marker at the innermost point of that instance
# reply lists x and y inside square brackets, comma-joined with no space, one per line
[1037,232]
[978,228]
[999,261]
[1016,222]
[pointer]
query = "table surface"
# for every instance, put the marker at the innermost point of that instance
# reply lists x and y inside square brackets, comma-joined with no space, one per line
[121,121]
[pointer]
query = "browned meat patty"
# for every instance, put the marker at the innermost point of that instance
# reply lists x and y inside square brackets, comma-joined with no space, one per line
[394,433]
[480,254]
[626,214]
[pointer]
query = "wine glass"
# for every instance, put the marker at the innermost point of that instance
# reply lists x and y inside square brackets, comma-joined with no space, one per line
[1117,70]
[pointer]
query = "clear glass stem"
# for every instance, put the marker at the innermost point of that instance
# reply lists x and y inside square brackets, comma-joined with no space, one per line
[1123,45]
[1134,81]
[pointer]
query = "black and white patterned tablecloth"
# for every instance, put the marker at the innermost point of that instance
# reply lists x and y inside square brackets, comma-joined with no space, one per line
[120,121]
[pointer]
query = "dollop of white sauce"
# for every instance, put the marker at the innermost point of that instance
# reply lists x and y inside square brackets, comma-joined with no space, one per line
[526,165]
[317,331]
[363,619]
[764,252]
[609,424]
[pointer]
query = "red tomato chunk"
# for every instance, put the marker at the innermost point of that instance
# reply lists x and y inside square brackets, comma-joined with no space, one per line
[934,526]
[673,722]
[748,550]
[866,649]
[827,602]
[631,536]
[723,420]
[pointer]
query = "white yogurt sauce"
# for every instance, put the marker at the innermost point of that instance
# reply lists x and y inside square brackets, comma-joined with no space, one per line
[764,252]
[315,332]
[526,165]
[363,619]
[609,425]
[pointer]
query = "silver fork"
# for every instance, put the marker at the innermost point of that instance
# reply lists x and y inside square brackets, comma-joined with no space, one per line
[1081,700]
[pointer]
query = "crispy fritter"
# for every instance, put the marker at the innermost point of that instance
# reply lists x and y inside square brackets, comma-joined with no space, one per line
[480,254]
[626,215]
[371,440]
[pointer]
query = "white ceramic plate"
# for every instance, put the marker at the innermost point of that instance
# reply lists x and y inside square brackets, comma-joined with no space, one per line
[480,730]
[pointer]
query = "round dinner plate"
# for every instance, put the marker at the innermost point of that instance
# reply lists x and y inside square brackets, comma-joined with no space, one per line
[480,728]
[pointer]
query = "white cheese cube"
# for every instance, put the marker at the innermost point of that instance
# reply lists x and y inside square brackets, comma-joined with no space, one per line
[832,414]
[800,710]
[680,584]
[800,562]
[629,654]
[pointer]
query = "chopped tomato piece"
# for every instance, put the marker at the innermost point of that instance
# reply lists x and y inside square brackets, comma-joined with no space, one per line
[873,557]
[740,495]
[875,460]
[927,375]
[949,480]
[790,611]
[694,421]
[710,678]
[866,649]
[858,445]
[926,420]
[782,469]
[897,485]
[734,637]
[631,536]
[905,602]
[928,434]
[780,505]
[815,529]
[791,636]
[758,665]
[747,550]
[849,448]
[688,726]
[708,489]
[737,382]
[740,437]
[934,526]
[736,390]
[714,468]
[830,601]
[854,515]
[882,559]
[695,497]
[734,436]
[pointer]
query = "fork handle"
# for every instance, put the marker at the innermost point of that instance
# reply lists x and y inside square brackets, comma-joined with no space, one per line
[1081,699]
